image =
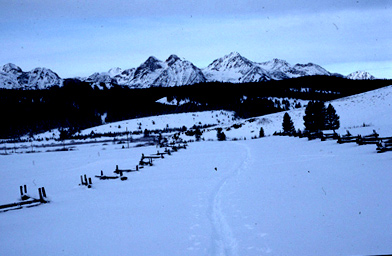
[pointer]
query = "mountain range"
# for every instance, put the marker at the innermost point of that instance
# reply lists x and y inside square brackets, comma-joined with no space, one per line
[174,71]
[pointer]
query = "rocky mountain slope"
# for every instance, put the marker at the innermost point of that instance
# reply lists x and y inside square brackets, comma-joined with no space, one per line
[174,71]
[236,68]
[360,75]
[12,77]
[153,72]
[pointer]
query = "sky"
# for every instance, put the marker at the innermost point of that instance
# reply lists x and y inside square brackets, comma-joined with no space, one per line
[80,37]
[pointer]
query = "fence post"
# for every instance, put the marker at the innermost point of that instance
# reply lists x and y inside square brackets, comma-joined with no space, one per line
[40,194]
[21,190]
[101,173]
[25,189]
[137,167]
[43,192]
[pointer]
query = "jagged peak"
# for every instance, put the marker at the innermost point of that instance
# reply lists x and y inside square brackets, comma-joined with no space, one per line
[306,65]
[151,63]
[234,59]
[152,59]
[41,69]
[360,75]
[279,61]
[114,71]
[233,54]
[172,57]
[11,68]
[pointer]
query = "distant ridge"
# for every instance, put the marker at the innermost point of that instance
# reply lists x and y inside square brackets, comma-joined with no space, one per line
[174,71]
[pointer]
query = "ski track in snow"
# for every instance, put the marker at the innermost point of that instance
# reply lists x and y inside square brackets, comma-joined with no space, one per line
[223,239]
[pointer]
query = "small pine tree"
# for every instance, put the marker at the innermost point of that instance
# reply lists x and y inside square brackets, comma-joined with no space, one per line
[261,132]
[288,125]
[220,135]
[332,119]
[198,134]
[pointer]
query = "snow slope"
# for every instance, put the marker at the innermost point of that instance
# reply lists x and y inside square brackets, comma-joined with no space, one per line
[370,109]
[168,121]
[269,196]
[276,196]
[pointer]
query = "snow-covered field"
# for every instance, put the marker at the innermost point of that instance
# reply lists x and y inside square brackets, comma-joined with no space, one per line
[269,196]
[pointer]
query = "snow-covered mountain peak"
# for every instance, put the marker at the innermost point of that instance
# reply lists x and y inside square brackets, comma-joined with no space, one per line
[172,59]
[40,78]
[231,61]
[11,68]
[233,55]
[150,64]
[361,75]
[310,69]
[175,71]
[234,68]
[275,64]
[114,71]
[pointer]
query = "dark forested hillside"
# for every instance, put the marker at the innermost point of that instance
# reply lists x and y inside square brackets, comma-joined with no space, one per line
[78,105]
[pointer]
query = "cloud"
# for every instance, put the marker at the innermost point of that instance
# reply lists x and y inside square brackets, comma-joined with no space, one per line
[82,37]
[45,9]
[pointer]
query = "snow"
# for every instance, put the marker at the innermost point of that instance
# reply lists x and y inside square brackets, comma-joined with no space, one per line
[268,196]
[361,114]
[265,197]
[173,102]
[236,69]
[360,75]
[167,121]
[12,77]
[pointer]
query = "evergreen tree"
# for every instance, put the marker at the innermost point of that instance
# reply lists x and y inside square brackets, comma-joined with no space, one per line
[198,134]
[315,116]
[220,135]
[288,125]
[332,119]
[261,133]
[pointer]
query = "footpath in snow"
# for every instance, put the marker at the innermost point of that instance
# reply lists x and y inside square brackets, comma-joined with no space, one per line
[270,196]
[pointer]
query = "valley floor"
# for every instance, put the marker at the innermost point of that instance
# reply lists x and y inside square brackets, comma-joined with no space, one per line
[275,195]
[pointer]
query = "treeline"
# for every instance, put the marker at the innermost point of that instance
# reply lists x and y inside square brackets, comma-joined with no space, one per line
[78,105]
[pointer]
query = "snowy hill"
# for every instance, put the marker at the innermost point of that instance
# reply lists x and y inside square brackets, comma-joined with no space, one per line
[361,114]
[360,75]
[168,121]
[12,77]
[268,196]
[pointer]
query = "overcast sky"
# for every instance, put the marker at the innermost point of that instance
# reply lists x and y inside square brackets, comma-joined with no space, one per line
[79,37]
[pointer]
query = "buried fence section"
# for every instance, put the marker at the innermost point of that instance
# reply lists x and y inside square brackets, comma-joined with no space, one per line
[84,181]
[26,200]
[383,144]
